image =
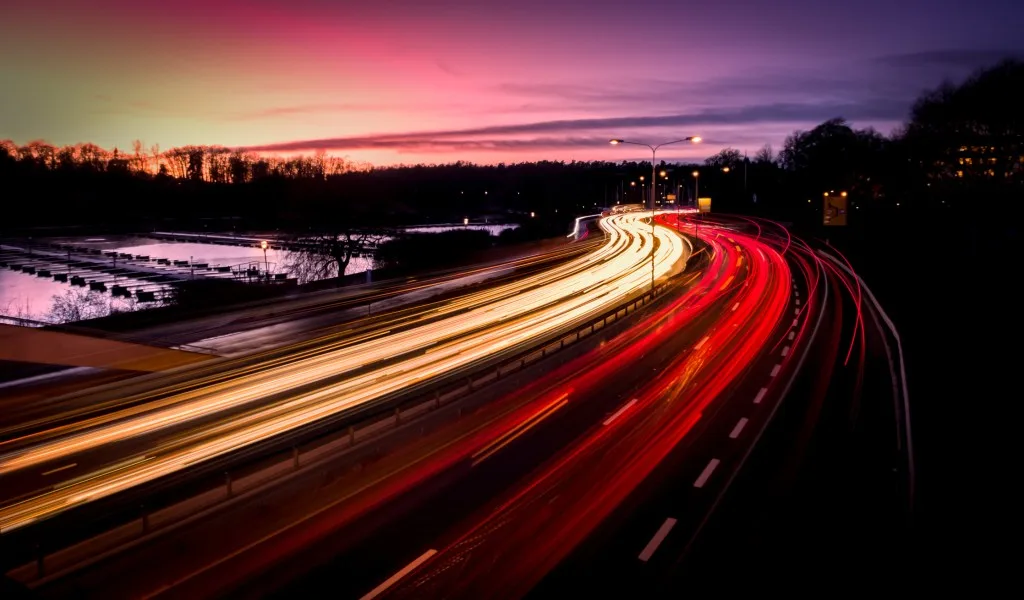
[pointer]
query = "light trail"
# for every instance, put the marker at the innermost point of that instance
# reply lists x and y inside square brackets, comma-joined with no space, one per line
[539,521]
[455,336]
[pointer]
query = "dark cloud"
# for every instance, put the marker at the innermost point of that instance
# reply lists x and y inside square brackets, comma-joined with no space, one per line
[963,59]
[879,110]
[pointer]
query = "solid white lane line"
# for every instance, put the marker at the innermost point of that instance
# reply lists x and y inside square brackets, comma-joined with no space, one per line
[785,350]
[735,433]
[380,589]
[760,395]
[792,334]
[59,469]
[620,411]
[775,370]
[735,306]
[706,473]
[659,537]
[701,342]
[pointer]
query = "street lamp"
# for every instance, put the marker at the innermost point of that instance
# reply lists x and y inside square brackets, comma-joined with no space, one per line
[695,139]
[696,202]
[266,265]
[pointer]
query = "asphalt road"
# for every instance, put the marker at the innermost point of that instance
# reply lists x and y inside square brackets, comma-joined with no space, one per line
[196,415]
[663,455]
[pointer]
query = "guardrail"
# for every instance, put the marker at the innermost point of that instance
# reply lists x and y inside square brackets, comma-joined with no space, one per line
[62,544]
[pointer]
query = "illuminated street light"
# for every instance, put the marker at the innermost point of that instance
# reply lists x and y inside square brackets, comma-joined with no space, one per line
[532,214]
[725,169]
[663,173]
[654,156]
[465,221]
[843,194]
[696,189]
[266,264]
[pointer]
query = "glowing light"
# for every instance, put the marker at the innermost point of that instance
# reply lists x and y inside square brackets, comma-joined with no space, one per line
[228,413]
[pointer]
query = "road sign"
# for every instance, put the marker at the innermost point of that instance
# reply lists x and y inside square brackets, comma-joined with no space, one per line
[704,205]
[671,197]
[835,210]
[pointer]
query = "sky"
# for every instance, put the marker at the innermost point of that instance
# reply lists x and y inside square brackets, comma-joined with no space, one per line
[434,81]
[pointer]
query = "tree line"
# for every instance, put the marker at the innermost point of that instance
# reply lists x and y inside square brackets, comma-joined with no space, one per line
[961,143]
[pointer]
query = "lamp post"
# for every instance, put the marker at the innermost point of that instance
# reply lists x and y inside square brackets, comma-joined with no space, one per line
[696,201]
[266,265]
[654,155]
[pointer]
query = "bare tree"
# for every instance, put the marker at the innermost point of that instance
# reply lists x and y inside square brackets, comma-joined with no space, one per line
[177,162]
[765,156]
[327,255]
[728,157]
[77,305]
[139,160]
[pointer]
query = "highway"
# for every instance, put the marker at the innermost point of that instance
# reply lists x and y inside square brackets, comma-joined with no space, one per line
[595,471]
[103,455]
[266,328]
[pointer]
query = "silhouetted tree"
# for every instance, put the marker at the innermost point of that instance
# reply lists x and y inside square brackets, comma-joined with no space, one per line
[765,156]
[973,132]
[727,157]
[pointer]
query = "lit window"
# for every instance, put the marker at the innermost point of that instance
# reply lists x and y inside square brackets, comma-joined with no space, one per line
[959,173]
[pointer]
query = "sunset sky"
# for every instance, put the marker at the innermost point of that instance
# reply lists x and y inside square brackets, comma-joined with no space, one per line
[405,81]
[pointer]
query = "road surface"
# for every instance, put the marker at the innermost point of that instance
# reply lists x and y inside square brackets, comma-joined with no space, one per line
[600,472]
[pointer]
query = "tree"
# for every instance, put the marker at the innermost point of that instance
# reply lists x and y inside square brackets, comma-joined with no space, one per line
[972,132]
[77,305]
[727,157]
[832,156]
[765,156]
[326,255]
